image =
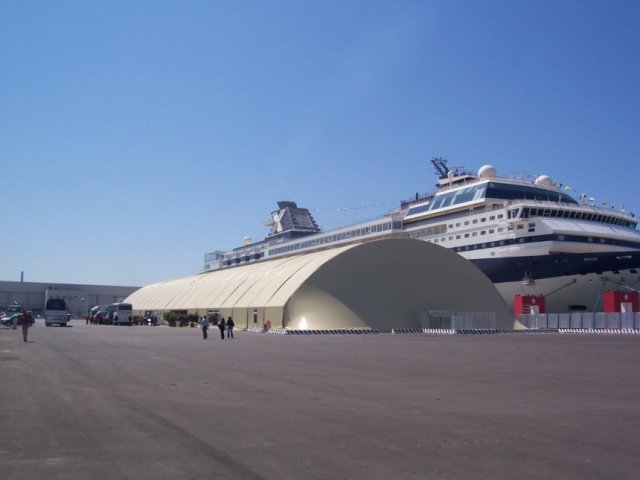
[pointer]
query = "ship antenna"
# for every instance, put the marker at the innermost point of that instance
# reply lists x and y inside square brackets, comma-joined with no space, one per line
[440,164]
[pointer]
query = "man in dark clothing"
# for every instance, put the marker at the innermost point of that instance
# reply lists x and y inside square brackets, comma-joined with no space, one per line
[230,325]
[26,318]
[221,326]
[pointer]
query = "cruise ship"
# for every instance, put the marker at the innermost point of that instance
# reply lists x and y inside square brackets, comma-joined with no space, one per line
[530,237]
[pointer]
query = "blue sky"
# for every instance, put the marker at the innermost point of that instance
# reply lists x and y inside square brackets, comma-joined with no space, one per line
[136,136]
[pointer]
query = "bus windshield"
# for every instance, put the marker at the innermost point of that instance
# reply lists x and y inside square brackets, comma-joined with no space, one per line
[56,304]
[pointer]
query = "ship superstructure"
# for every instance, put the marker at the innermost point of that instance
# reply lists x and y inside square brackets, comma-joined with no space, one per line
[530,237]
[293,230]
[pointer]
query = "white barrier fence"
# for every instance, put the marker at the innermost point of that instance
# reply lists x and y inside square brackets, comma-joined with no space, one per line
[452,320]
[583,320]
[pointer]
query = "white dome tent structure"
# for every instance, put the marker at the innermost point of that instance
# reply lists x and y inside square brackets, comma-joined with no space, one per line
[386,284]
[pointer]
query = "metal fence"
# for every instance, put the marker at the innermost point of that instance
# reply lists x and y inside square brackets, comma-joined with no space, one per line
[452,320]
[582,320]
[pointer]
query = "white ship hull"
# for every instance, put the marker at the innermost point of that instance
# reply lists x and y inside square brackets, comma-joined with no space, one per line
[573,292]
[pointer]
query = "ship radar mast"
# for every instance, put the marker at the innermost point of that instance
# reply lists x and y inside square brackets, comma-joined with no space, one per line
[450,176]
[440,164]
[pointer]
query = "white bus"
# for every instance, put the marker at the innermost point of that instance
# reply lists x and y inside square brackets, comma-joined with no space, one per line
[55,312]
[120,313]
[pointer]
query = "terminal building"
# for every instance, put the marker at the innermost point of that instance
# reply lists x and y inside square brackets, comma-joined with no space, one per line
[384,284]
[80,298]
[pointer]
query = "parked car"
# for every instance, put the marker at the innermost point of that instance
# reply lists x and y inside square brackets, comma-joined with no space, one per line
[8,320]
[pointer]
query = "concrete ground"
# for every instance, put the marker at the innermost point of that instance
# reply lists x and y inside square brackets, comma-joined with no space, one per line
[104,402]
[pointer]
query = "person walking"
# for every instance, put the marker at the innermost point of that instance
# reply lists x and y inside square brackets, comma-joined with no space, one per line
[25,324]
[221,326]
[230,325]
[205,326]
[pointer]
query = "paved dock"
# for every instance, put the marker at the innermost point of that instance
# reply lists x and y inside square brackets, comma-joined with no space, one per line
[104,402]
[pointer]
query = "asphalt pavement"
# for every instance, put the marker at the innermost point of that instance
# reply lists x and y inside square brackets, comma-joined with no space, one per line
[106,402]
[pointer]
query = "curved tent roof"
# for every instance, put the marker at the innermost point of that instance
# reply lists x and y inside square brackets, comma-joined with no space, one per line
[390,283]
[264,284]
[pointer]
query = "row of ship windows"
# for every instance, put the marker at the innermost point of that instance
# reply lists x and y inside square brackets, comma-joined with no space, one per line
[474,221]
[310,243]
[573,214]
[481,245]
[426,232]
[546,212]
[491,190]
[542,238]
[246,258]
[466,235]
[357,232]
[440,229]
